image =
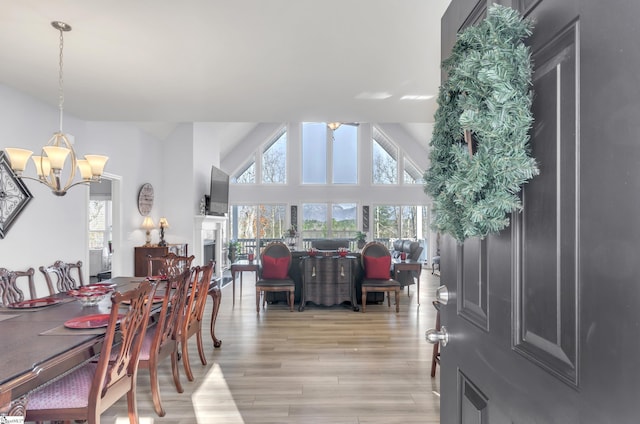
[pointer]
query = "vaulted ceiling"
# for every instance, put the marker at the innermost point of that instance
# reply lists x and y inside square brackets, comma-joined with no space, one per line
[159,63]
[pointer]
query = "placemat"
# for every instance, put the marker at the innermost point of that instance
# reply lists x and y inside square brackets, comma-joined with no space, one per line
[61,330]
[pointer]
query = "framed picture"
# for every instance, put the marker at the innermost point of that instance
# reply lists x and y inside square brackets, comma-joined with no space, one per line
[14,195]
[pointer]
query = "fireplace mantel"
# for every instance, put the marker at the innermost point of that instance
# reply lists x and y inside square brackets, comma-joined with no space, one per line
[208,227]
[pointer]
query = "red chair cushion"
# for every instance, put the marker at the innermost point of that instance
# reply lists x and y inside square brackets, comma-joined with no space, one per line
[377,268]
[275,268]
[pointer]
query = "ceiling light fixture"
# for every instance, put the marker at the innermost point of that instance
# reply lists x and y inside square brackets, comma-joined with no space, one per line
[49,166]
[334,125]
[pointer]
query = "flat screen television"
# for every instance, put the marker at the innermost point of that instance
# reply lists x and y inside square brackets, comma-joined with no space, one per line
[219,193]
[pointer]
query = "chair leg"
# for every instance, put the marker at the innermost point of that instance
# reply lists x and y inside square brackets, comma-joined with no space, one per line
[132,407]
[203,358]
[155,390]
[397,300]
[185,360]
[364,300]
[176,371]
[258,300]
[436,346]
[389,299]
[292,300]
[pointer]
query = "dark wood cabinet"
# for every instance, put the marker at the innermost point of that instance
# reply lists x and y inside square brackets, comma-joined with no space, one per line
[328,281]
[143,252]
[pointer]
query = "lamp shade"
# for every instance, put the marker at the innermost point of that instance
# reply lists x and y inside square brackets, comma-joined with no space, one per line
[18,158]
[148,224]
[163,223]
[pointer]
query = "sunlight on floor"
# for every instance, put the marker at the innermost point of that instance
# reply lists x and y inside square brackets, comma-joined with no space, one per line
[202,398]
[141,420]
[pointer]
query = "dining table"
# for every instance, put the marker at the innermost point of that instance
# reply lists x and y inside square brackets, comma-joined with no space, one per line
[36,346]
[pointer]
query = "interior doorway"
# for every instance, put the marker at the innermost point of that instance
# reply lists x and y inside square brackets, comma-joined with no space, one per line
[104,233]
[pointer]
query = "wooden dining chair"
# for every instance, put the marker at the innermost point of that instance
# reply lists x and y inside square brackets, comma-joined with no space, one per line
[89,390]
[435,355]
[170,264]
[273,274]
[10,291]
[376,263]
[161,339]
[59,276]
[194,312]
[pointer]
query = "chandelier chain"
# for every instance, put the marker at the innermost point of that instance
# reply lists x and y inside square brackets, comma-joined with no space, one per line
[61,79]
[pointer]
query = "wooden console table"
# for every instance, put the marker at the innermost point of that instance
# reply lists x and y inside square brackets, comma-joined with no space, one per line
[328,280]
[241,266]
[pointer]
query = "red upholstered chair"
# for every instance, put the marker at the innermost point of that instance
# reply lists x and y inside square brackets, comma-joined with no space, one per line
[273,275]
[59,276]
[194,311]
[376,263]
[9,290]
[161,339]
[89,390]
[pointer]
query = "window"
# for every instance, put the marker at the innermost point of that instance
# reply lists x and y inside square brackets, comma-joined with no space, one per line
[411,173]
[274,160]
[314,153]
[99,224]
[385,222]
[251,224]
[345,155]
[314,220]
[342,223]
[246,175]
[343,220]
[385,160]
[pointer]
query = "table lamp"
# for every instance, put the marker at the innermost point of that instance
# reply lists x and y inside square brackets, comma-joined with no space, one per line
[148,225]
[163,224]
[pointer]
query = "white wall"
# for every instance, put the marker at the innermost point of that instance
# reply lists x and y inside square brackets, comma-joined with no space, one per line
[54,228]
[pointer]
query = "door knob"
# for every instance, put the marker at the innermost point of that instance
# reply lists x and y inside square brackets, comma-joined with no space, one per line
[434,336]
[442,295]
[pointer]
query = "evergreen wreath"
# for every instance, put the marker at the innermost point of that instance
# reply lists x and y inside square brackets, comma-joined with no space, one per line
[479,149]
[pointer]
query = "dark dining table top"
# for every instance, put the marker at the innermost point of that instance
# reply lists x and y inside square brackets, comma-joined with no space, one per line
[28,357]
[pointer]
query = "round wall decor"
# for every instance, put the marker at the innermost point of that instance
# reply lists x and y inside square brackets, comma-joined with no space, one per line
[145,199]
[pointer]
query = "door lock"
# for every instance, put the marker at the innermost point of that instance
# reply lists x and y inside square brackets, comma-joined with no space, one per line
[442,295]
[434,336]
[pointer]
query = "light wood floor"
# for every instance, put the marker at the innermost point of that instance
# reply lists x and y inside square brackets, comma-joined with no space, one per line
[325,365]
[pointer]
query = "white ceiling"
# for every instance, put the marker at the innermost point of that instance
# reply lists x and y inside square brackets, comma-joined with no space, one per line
[162,62]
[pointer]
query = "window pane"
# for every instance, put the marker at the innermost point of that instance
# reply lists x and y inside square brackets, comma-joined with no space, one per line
[272,221]
[246,175]
[97,219]
[343,220]
[385,164]
[385,222]
[314,153]
[274,162]
[411,173]
[314,216]
[345,155]
[96,240]
[409,224]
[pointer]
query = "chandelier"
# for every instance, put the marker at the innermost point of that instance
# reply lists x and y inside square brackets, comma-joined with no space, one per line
[50,164]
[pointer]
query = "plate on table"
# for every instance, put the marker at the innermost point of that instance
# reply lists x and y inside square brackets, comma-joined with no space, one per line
[157,278]
[108,286]
[89,321]
[35,303]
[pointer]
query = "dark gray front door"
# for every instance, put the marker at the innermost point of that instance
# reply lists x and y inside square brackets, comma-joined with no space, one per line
[544,320]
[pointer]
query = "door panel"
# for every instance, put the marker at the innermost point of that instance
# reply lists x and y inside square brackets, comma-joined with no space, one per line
[546,292]
[561,342]
[472,283]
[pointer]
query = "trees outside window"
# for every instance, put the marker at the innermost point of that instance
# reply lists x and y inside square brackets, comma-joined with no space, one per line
[99,224]
[385,162]
[274,161]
